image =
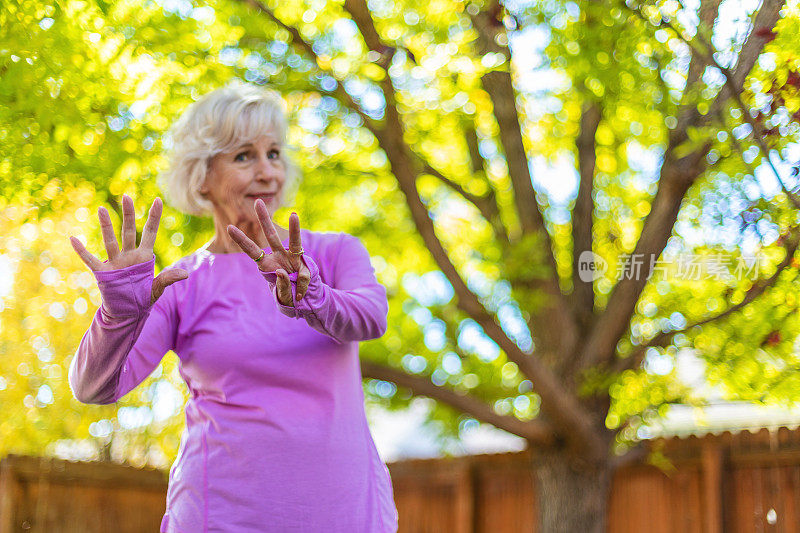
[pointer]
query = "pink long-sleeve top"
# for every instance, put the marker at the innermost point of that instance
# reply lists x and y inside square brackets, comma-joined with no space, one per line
[276,436]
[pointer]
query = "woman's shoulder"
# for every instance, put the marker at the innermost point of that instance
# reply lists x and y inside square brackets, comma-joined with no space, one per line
[323,238]
[325,245]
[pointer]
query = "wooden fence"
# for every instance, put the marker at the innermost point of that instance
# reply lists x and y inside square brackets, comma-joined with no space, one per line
[745,482]
[39,495]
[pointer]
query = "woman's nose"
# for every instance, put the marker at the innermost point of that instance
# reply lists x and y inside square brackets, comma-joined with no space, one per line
[265,168]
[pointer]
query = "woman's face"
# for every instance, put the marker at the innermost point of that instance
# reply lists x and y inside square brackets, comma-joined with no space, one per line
[236,179]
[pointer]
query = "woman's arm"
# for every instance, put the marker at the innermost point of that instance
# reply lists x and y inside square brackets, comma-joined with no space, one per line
[127,338]
[353,308]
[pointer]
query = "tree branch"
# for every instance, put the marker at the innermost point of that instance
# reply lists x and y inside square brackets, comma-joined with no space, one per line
[756,290]
[359,11]
[536,431]
[400,159]
[563,410]
[479,168]
[486,204]
[557,312]
[767,17]
[500,89]
[553,324]
[707,16]
[583,213]
[677,175]
[567,415]
[473,146]
[734,80]
[340,93]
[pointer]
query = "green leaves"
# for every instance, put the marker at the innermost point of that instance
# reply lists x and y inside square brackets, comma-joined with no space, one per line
[88,90]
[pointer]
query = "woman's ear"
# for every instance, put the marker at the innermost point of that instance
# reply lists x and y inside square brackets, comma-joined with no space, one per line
[203,189]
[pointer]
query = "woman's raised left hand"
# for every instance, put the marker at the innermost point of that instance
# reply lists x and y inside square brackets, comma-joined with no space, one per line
[280,260]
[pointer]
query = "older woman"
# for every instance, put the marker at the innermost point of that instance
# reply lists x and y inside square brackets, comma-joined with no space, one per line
[266,323]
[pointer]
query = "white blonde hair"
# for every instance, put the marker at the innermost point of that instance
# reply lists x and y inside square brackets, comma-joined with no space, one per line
[221,121]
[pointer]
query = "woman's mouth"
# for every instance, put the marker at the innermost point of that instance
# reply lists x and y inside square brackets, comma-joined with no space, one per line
[265,197]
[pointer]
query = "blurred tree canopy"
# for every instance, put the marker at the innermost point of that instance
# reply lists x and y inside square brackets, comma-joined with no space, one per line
[480,151]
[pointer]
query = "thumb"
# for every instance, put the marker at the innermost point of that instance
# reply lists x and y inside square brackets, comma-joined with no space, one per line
[164,280]
[284,288]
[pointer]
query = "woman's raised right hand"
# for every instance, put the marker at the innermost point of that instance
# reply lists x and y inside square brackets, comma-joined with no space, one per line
[130,253]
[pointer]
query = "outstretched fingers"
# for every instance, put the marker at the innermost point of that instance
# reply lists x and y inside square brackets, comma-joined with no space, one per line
[88,259]
[268,227]
[245,243]
[151,225]
[294,232]
[128,223]
[107,229]
[295,245]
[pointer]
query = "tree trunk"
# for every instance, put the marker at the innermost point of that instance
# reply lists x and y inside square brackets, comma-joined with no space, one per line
[572,497]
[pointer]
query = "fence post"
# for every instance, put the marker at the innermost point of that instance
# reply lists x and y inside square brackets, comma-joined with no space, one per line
[712,459]
[8,487]
[465,497]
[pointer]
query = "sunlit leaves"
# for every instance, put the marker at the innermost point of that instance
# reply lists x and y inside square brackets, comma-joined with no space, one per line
[88,89]
[48,299]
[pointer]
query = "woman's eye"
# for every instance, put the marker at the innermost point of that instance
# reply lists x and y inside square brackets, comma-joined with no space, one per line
[243,156]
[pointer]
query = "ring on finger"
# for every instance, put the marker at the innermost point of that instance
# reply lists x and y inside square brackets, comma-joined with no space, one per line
[295,253]
[260,257]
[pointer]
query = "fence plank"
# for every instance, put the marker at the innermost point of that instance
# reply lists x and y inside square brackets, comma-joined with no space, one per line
[8,487]
[712,485]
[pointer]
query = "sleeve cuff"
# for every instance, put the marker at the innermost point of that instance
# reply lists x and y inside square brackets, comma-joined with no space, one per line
[126,291]
[314,286]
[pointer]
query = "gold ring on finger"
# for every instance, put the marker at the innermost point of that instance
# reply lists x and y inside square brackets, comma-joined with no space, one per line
[260,257]
[295,253]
